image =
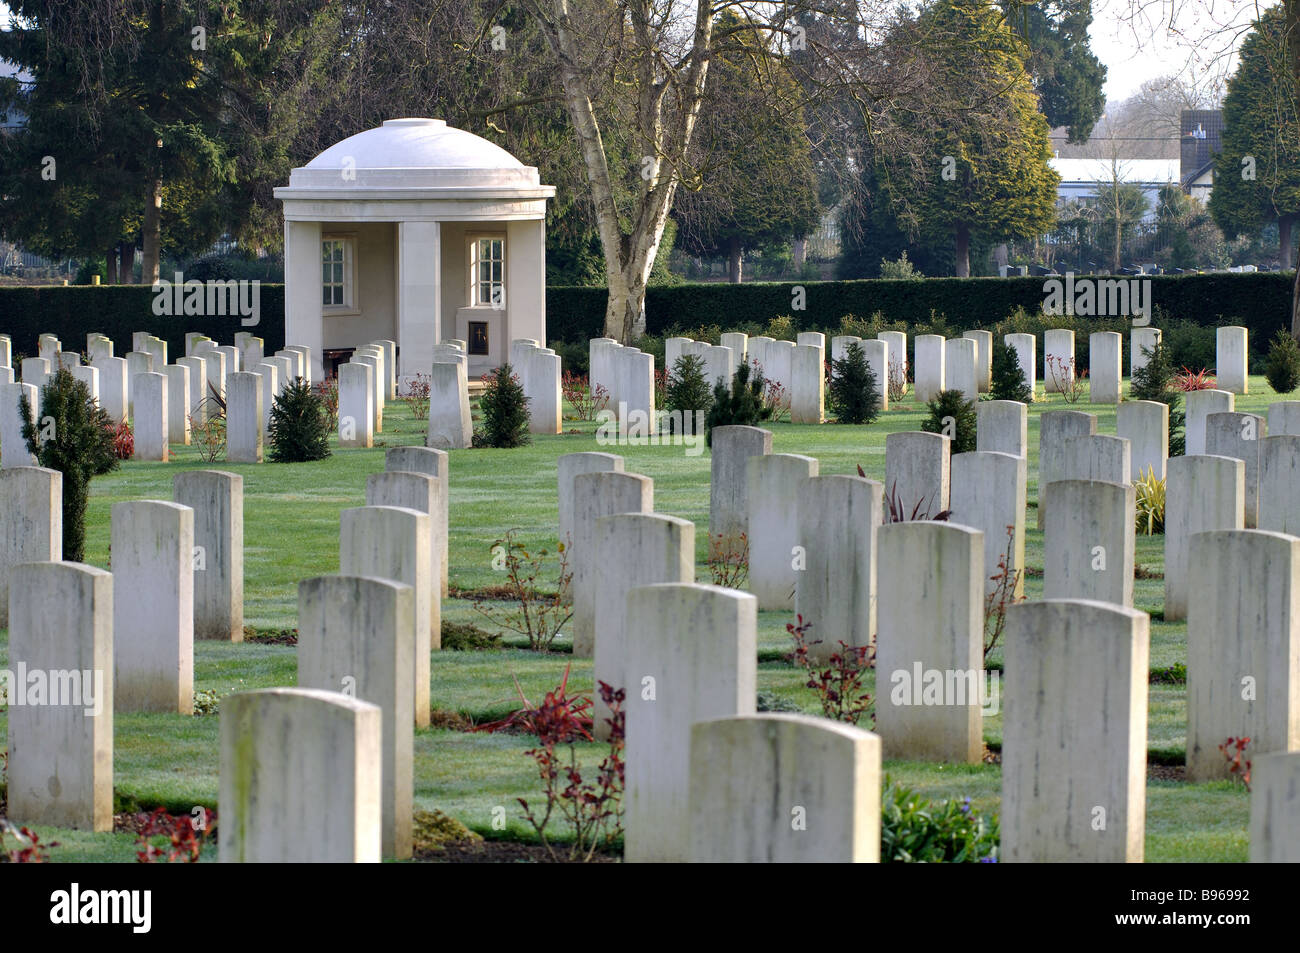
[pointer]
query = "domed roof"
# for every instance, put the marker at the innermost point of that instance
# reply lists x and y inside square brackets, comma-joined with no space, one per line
[414,154]
[415,144]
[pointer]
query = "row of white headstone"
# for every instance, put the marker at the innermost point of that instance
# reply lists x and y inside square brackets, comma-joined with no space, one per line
[162,401]
[932,578]
[128,636]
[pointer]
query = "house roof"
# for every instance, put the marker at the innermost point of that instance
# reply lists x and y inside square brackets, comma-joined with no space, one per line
[1101,171]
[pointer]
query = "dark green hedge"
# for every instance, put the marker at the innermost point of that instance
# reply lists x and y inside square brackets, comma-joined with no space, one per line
[70,313]
[1260,302]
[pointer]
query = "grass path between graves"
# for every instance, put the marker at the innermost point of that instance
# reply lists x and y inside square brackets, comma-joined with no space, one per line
[291,520]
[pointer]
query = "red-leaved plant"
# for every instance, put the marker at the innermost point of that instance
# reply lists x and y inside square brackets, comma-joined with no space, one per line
[1067,379]
[415,394]
[729,559]
[27,848]
[585,402]
[183,839]
[1234,750]
[592,807]
[123,440]
[328,390]
[1187,380]
[838,686]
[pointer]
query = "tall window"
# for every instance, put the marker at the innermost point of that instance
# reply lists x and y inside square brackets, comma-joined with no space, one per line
[336,273]
[488,272]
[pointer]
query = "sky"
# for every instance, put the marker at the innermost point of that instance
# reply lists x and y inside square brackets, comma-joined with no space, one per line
[1140,40]
[1194,37]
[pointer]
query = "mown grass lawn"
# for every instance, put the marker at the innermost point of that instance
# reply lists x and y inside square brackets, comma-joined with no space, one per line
[291,514]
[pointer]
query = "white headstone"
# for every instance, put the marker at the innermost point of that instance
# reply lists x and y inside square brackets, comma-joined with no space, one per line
[930,641]
[61,756]
[1026,348]
[1058,360]
[1074,733]
[435,464]
[728,484]
[31,522]
[1279,484]
[897,341]
[775,481]
[930,370]
[983,358]
[1202,493]
[301,778]
[1283,416]
[1099,457]
[354,637]
[961,367]
[631,549]
[1105,367]
[392,542]
[357,404]
[178,404]
[1142,341]
[1200,404]
[569,466]
[1239,435]
[1145,425]
[697,647]
[1275,808]
[545,404]
[1243,639]
[753,777]
[153,606]
[149,416]
[1002,426]
[1230,359]
[807,385]
[217,499]
[598,493]
[422,493]
[13,448]
[270,375]
[917,473]
[1089,542]
[988,494]
[450,425]
[835,582]
[1054,428]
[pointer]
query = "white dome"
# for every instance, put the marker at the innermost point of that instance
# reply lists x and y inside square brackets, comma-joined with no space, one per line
[415,144]
[414,154]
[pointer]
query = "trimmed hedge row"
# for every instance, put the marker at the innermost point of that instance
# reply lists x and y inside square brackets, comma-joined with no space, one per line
[71,312]
[1260,302]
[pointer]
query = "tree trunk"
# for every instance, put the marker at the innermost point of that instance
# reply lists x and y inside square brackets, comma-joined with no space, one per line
[152,232]
[110,261]
[963,250]
[126,263]
[1292,8]
[1284,239]
[799,253]
[734,260]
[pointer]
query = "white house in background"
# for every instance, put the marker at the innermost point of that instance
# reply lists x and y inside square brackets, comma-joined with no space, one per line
[1081,178]
[419,233]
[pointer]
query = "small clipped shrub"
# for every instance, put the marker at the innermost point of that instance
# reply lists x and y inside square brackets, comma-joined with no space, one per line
[1157,381]
[743,405]
[1283,367]
[853,393]
[1008,376]
[952,415]
[916,830]
[505,411]
[687,392]
[300,427]
[75,437]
